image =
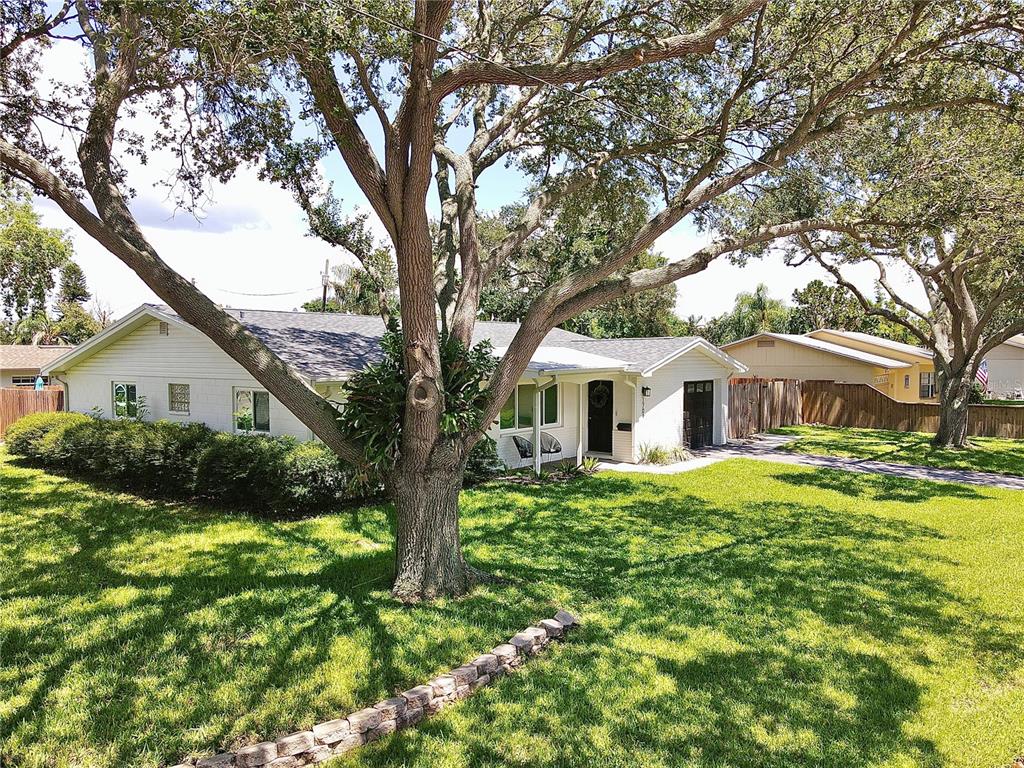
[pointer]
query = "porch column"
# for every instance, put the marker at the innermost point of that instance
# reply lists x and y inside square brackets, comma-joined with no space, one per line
[579,427]
[536,429]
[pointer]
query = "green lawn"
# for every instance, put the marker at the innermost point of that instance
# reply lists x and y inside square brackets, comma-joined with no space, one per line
[987,454]
[747,614]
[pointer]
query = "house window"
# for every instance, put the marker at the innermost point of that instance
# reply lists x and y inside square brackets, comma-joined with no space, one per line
[906,381]
[178,398]
[126,401]
[927,385]
[27,381]
[517,413]
[252,410]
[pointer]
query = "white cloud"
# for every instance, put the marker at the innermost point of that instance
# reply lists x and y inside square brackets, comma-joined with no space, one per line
[251,238]
[714,290]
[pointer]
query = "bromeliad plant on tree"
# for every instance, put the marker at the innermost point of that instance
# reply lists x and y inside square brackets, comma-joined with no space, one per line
[689,107]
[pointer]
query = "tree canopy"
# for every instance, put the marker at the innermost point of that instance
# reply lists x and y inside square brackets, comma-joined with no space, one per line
[704,110]
[943,200]
[32,259]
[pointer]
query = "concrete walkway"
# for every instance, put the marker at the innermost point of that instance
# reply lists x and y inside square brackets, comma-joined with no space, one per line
[766,448]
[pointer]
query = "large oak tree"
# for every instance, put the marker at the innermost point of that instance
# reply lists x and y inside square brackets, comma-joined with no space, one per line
[942,199]
[698,104]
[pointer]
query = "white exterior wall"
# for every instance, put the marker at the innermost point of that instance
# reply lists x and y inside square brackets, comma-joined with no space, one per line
[564,432]
[7,375]
[661,415]
[569,420]
[1005,369]
[151,362]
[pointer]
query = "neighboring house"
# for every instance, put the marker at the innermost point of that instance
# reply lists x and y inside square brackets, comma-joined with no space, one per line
[1006,368]
[903,372]
[21,364]
[600,397]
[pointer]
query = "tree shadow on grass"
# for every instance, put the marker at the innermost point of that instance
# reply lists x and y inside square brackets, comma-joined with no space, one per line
[878,487]
[760,633]
[768,634]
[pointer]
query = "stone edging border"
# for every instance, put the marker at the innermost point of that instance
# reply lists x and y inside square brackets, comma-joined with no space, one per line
[337,737]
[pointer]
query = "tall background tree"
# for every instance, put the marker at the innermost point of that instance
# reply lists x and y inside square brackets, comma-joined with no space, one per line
[32,260]
[942,200]
[695,105]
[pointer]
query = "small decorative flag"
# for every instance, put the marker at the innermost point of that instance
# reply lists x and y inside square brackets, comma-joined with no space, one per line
[982,374]
[39,383]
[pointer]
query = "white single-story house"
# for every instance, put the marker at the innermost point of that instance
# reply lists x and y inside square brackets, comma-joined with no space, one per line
[601,397]
[1006,368]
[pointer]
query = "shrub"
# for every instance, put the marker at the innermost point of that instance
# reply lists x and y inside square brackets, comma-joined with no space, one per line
[243,471]
[23,435]
[316,479]
[660,454]
[179,461]
[483,462]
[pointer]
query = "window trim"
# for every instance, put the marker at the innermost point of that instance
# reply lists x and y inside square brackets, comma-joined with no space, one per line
[234,410]
[32,383]
[515,417]
[931,385]
[113,399]
[170,399]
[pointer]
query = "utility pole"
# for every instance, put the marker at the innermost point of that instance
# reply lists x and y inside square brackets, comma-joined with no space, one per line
[324,276]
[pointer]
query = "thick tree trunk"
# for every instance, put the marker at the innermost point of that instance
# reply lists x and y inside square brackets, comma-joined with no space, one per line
[428,552]
[954,394]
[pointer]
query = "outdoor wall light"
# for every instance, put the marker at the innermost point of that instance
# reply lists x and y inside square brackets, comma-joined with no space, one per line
[645,391]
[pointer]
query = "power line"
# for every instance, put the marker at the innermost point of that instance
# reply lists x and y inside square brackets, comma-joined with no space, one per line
[284,293]
[603,104]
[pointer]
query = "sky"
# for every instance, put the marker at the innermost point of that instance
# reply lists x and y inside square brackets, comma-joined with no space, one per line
[249,247]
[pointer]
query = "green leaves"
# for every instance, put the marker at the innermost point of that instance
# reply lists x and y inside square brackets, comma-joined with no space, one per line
[375,398]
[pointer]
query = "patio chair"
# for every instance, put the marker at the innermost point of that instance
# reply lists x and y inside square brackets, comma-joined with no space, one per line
[548,445]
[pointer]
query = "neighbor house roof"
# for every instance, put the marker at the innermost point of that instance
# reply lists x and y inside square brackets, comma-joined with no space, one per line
[23,357]
[827,346]
[1016,341]
[329,346]
[878,341]
[643,354]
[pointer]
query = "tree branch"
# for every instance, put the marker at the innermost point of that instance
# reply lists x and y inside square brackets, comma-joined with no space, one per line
[702,41]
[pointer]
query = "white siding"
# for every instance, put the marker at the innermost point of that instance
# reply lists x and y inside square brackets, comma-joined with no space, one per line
[7,375]
[565,432]
[1005,369]
[151,362]
[661,414]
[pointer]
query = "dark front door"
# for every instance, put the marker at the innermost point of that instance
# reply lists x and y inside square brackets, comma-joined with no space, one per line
[599,416]
[699,404]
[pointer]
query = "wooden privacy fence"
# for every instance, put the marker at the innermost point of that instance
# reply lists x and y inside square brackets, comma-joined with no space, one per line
[863,406]
[18,402]
[759,404]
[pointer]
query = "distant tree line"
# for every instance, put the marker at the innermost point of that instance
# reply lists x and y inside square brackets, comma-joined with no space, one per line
[43,293]
[817,305]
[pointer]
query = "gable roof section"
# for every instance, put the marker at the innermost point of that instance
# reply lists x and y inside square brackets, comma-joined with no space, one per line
[21,357]
[646,355]
[1016,341]
[827,346]
[878,341]
[320,346]
[330,346]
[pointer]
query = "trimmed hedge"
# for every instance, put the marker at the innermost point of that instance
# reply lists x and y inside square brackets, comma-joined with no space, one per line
[255,473]
[260,474]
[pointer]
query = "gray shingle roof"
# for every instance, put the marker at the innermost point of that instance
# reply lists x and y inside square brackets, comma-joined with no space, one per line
[331,345]
[640,353]
[29,356]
